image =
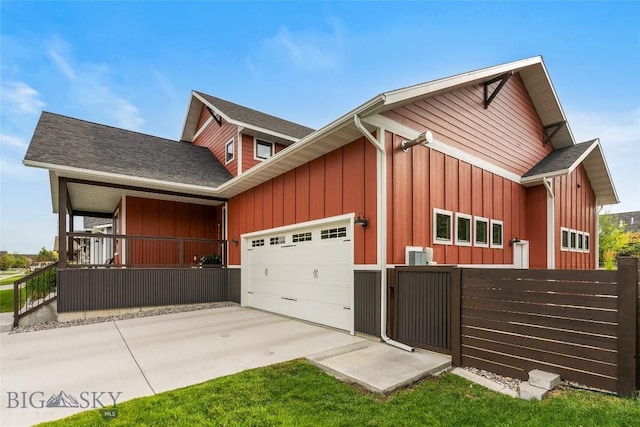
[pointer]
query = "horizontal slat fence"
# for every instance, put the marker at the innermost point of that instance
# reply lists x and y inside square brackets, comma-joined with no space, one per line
[583,325]
[559,321]
[110,288]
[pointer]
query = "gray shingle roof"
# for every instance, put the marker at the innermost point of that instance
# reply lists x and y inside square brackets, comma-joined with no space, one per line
[65,141]
[89,222]
[256,118]
[559,160]
[630,219]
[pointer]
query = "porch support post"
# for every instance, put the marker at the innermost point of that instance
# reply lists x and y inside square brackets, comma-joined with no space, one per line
[62,223]
[71,230]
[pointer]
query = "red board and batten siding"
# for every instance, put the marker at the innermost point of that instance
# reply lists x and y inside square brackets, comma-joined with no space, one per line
[215,138]
[340,182]
[575,209]
[508,134]
[422,180]
[163,218]
[248,152]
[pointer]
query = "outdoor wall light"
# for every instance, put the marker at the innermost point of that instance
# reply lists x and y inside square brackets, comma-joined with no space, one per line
[234,241]
[364,222]
[423,139]
[514,240]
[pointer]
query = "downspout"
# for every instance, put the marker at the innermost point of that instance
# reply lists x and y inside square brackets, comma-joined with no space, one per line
[382,228]
[551,222]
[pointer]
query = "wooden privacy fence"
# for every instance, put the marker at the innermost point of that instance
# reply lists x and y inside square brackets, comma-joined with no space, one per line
[580,324]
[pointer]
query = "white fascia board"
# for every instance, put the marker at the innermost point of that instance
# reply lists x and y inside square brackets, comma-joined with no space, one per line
[130,180]
[442,147]
[188,114]
[400,95]
[208,104]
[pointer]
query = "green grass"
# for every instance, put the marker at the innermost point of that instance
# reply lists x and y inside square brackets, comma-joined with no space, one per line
[298,394]
[6,299]
[10,280]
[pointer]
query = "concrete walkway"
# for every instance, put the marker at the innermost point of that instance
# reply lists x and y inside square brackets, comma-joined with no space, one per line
[144,356]
[83,367]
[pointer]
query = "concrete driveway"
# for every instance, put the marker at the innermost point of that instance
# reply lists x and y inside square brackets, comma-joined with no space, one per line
[49,375]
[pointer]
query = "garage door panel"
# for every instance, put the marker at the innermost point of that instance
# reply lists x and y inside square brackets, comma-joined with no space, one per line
[310,280]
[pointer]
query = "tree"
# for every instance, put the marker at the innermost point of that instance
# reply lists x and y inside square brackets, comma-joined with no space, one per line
[21,262]
[614,241]
[46,255]
[6,261]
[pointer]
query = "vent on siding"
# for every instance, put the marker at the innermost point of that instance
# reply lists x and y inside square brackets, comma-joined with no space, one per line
[276,240]
[333,233]
[257,243]
[302,237]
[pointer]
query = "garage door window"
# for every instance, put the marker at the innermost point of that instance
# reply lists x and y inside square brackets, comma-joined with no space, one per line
[257,243]
[302,237]
[333,233]
[276,240]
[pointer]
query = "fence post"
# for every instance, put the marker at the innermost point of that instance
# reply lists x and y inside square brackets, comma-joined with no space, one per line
[456,316]
[627,323]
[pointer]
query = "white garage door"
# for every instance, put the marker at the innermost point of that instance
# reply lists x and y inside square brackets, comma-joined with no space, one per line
[304,272]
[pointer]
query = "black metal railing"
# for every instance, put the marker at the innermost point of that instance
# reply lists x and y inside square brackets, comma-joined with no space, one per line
[34,290]
[119,250]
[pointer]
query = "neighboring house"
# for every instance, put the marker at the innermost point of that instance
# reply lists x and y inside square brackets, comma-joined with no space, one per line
[100,250]
[630,220]
[492,176]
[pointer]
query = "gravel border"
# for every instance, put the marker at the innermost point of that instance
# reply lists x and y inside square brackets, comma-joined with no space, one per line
[511,383]
[135,315]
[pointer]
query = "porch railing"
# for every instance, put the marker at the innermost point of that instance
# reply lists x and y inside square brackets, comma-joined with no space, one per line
[33,291]
[118,250]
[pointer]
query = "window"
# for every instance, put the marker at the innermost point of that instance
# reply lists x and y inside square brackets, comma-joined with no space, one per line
[586,242]
[229,151]
[257,243]
[481,232]
[580,241]
[333,233]
[463,229]
[263,149]
[302,237]
[276,240]
[564,239]
[573,240]
[496,233]
[441,227]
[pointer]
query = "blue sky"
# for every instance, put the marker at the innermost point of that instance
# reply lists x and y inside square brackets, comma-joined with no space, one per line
[133,65]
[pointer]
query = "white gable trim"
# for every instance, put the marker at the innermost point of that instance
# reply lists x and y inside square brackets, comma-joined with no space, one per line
[442,147]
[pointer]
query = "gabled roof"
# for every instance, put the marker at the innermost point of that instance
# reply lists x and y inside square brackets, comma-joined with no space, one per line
[630,219]
[65,141]
[254,122]
[84,150]
[564,161]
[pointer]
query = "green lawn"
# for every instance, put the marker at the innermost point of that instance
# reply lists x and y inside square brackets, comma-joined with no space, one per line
[10,280]
[298,394]
[6,299]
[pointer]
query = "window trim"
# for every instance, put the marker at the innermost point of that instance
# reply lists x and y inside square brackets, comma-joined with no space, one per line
[440,241]
[573,245]
[587,243]
[468,217]
[580,243]
[501,224]
[257,142]
[477,219]
[226,151]
[562,246]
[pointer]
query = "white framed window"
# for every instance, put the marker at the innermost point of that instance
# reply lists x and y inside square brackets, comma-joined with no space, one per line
[573,240]
[263,149]
[481,232]
[442,226]
[496,233]
[463,229]
[229,151]
[580,241]
[587,238]
[564,239]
